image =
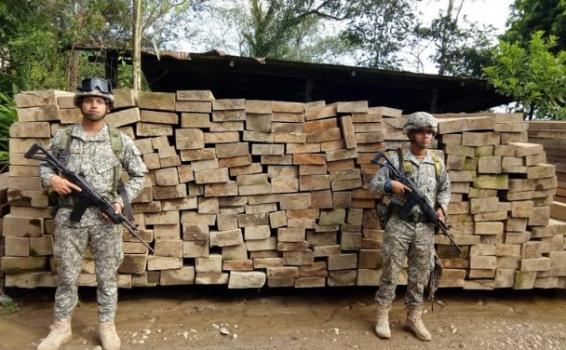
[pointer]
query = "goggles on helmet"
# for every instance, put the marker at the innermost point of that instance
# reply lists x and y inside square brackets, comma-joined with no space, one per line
[91,84]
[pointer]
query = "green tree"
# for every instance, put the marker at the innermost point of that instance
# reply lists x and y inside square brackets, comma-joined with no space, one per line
[27,49]
[36,36]
[528,16]
[534,76]
[459,50]
[288,29]
[8,116]
[379,29]
[314,30]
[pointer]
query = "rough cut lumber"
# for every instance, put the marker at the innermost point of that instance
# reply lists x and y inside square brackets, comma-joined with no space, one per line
[248,193]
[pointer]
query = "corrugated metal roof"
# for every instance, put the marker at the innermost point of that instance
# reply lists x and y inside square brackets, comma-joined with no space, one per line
[230,76]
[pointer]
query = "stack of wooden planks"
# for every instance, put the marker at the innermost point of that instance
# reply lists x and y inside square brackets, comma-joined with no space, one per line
[253,193]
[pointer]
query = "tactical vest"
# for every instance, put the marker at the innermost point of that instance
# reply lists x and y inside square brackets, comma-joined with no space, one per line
[115,142]
[383,206]
[408,166]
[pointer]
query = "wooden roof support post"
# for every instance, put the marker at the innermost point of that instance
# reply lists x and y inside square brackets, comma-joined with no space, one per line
[308,89]
[433,100]
[111,69]
[136,41]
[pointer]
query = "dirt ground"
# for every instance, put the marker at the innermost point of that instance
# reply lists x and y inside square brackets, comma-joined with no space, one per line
[214,318]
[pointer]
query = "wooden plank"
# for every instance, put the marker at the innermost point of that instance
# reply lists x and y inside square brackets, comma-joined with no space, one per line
[558,211]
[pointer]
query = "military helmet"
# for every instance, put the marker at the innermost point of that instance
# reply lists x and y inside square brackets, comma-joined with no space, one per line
[420,120]
[94,87]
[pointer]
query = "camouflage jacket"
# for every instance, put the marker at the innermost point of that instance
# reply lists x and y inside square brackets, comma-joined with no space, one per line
[93,158]
[435,188]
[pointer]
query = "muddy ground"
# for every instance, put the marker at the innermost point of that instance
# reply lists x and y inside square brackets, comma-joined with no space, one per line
[214,318]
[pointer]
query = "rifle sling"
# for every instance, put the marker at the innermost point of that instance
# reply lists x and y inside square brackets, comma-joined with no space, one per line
[128,211]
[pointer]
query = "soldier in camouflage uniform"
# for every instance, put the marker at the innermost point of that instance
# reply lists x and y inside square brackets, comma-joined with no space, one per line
[413,238]
[87,149]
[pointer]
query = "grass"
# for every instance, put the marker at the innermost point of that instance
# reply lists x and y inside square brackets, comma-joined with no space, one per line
[8,306]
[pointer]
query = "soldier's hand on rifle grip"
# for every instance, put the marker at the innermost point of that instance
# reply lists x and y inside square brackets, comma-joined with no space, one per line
[440,215]
[117,207]
[398,187]
[62,186]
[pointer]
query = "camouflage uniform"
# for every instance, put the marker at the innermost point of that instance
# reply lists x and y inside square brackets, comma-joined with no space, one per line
[93,158]
[414,240]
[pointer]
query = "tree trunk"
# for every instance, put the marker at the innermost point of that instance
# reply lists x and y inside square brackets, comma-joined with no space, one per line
[73,69]
[446,35]
[531,112]
[136,52]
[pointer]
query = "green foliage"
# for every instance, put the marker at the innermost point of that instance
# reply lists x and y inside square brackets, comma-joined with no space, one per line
[379,29]
[373,33]
[459,50]
[273,31]
[164,21]
[24,54]
[528,16]
[8,116]
[534,76]
[35,36]
[8,306]
[288,29]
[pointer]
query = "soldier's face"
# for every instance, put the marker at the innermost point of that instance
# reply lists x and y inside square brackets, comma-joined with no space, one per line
[422,137]
[94,108]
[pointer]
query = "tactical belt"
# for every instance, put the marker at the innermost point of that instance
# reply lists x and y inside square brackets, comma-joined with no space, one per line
[413,217]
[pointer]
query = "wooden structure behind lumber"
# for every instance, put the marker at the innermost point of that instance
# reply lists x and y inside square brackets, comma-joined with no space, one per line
[552,135]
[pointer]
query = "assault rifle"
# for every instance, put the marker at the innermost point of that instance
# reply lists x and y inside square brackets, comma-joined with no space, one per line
[414,197]
[87,196]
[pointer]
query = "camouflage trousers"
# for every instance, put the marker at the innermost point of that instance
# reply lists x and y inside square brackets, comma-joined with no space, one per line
[414,242]
[105,242]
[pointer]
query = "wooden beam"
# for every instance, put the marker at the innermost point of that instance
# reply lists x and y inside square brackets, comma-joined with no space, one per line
[433,100]
[308,89]
[111,69]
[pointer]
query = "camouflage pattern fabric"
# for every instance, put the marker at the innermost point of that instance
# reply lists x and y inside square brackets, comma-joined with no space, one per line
[420,120]
[105,243]
[93,158]
[414,241]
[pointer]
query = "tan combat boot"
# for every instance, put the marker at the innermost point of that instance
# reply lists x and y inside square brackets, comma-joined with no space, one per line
[59,334]
[415,323]
[382,321]
[108,336]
